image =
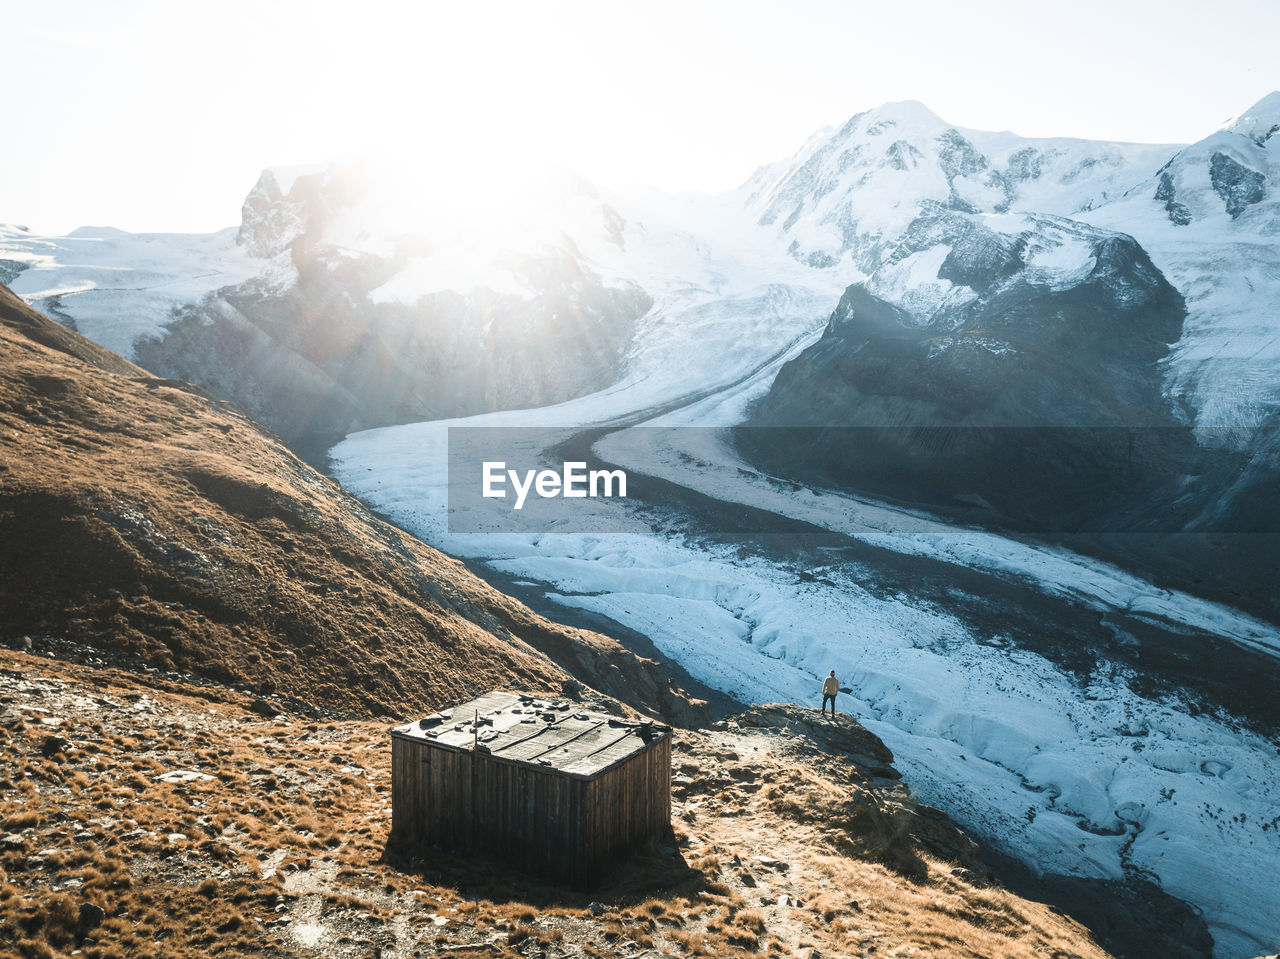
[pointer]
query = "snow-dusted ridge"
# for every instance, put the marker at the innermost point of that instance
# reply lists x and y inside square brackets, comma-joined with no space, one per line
[115,287]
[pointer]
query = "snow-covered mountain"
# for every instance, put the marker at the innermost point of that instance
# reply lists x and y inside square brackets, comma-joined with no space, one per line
[1206,214]
[338,305]
[850,193]
[1210,219]
[119,288]
[450,296]
[974,314]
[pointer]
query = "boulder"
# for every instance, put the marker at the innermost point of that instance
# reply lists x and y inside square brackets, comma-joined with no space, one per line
[265,707]
[91,916]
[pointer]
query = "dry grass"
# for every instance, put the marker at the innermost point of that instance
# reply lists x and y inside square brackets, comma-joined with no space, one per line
[821,857]
[281,837]
[142,519]
[21,819]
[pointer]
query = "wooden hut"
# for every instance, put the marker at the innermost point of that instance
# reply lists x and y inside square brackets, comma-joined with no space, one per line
[542,785]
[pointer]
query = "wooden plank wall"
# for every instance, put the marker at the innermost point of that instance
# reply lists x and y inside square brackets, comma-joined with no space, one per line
[628,805]
[540,821]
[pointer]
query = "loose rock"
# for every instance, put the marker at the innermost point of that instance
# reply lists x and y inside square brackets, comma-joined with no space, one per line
[91,915]
[53,745]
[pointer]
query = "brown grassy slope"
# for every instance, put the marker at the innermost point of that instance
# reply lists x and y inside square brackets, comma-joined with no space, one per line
[272,842]
[144,518]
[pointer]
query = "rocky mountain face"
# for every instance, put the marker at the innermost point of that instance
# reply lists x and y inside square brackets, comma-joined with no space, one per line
[1022,376]
[144,518]
[336,306]
[1053,338]
[344,333]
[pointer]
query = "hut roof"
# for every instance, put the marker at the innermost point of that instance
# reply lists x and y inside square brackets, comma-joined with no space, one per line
[555,735]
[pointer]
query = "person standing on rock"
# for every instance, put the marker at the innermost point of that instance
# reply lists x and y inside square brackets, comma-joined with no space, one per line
[830,686]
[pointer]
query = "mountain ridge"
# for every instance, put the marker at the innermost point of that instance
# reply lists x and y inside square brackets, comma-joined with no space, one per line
[141,516]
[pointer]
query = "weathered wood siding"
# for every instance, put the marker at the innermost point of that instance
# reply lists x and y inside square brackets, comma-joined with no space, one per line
[629,804]
[542,821]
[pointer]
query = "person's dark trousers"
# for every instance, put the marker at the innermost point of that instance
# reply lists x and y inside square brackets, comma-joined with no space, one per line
[828,698]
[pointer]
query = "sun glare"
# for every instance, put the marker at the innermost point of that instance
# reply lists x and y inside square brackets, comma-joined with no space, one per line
[178,107]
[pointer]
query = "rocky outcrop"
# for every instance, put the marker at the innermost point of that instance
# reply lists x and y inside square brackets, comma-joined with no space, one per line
[836,734]
[1167,194]
[1238,185]
[1226,172]
[10,269]
[872,814]
[1023,377]
[170,763]
[270,223]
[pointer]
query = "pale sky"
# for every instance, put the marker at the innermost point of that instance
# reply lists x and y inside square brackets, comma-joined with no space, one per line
[158,116]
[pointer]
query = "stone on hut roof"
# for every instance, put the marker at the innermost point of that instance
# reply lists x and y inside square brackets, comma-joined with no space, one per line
[557,735]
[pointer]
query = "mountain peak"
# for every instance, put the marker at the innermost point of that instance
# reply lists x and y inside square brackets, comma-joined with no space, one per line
[903,113]
[285,176]
[1260,121]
